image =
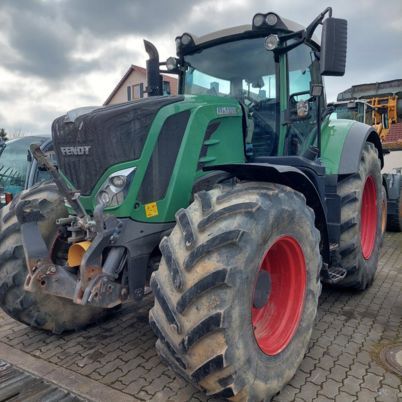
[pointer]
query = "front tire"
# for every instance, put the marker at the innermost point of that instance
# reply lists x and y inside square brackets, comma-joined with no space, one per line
[361,224]
[38,310]
[237,289]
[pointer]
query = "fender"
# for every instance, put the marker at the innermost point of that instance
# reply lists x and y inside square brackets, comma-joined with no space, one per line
[357,136]
[288,176]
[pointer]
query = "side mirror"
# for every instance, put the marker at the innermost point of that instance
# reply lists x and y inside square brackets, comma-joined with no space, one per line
[154,78]
[333,46]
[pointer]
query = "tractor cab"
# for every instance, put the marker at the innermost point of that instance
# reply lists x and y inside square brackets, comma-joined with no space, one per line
[246,70]
[273,68]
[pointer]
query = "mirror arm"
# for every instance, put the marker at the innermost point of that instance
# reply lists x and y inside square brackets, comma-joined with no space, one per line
[313,45]
[292,35]
[318,20]
[285,49]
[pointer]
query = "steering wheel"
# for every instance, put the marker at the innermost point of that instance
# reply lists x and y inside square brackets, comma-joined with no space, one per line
[252,102]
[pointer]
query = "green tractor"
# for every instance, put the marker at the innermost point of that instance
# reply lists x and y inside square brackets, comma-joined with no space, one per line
[233,201]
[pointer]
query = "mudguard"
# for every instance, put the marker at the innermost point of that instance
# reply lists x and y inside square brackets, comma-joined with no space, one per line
[358,135]
[288,176]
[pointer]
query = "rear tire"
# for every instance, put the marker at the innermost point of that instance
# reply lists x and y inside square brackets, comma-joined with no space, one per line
[394,222]
[361,233]
[205,316]
[38,310]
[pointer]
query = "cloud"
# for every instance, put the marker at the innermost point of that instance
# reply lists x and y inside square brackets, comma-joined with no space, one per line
[56,55]
[106,18]
[40,43]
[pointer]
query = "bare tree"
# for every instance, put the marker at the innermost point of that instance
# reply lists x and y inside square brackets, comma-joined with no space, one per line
[17,133]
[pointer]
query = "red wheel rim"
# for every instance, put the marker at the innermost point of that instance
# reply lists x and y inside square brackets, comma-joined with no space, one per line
[368,223]
[277,320]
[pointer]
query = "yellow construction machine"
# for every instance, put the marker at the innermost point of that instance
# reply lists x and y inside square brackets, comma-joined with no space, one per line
[380,105]
[385,120]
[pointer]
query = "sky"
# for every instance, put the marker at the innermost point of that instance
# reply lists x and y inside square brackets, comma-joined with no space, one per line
[56,55]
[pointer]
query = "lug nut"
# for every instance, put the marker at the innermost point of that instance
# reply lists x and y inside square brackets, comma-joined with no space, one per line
[124,293]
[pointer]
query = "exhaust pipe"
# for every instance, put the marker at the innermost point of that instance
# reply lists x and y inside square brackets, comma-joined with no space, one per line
[154,78]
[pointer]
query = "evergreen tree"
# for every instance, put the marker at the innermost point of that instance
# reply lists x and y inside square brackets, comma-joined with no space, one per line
[3,134]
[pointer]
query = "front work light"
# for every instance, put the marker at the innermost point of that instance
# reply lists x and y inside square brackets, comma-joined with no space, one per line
[267,21]
[258,20]
[171,63]
[271,19]
[271,42]
[186,39]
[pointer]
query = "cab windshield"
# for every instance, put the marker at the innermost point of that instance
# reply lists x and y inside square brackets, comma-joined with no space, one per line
[246,71]
[240,69]
[360,112]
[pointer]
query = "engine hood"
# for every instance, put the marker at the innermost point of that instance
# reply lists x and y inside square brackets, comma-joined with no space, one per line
[89,142]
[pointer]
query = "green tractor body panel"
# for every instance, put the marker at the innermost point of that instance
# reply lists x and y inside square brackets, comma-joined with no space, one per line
[333,136]
[213,135]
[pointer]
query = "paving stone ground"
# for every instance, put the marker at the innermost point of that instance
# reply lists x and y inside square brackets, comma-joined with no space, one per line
[342,362]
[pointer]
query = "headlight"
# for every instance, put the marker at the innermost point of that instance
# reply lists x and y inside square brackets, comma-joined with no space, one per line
[118,181]
[114,190]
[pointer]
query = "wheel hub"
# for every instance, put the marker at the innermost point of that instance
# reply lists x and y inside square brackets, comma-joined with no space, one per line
[262,289]
[278,297]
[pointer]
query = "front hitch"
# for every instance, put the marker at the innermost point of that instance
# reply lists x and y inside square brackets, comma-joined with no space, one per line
[94,284]
[89,282]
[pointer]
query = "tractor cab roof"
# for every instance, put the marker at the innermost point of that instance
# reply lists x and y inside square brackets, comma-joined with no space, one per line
[187,42]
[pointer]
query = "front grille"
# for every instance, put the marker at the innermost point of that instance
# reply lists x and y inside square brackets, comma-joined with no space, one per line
[163,159]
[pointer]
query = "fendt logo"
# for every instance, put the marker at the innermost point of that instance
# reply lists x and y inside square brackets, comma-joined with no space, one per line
[69,151]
